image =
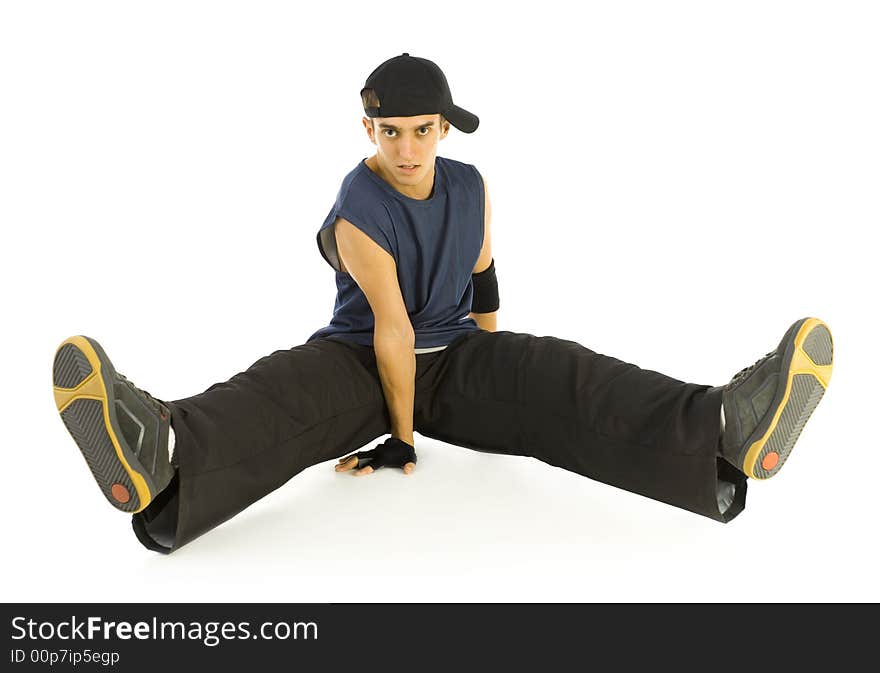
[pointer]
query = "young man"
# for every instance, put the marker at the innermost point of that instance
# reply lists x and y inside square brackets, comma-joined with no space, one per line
[412,346]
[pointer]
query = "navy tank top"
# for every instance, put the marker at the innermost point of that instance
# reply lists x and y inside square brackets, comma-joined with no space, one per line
[435,243]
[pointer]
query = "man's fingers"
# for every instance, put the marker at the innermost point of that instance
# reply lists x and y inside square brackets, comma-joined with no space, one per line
[408,468]
[347,463]
[383,455]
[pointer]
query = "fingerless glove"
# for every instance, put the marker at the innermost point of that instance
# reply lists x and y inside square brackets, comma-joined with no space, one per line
[393,452]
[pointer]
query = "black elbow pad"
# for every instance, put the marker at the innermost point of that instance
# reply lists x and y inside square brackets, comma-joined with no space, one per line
[485,298]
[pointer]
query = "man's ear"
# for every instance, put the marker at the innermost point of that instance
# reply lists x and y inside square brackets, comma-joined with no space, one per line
[368,124]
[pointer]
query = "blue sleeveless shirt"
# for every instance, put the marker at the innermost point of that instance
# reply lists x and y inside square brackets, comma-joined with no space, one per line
[435,243]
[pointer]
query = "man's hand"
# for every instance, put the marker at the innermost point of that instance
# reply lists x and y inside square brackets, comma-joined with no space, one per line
[393,452]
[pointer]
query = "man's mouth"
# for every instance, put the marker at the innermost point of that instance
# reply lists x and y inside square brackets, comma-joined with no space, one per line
[408,165]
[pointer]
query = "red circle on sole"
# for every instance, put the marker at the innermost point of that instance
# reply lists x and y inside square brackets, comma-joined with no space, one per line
[120,493]
[770,460]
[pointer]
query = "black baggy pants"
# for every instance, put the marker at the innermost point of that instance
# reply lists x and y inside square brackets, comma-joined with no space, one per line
[501,392]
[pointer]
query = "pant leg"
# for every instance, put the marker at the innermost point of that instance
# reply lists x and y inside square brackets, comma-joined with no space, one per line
[562,403]
[241,439]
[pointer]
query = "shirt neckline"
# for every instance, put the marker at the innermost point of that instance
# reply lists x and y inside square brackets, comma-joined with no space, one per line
[438,192]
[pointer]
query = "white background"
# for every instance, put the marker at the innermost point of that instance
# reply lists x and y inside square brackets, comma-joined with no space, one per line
[672,183]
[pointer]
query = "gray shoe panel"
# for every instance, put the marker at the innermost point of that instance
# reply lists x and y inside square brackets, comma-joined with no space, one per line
[145,433]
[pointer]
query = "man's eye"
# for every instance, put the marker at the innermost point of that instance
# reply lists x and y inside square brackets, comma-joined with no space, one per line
[389,133]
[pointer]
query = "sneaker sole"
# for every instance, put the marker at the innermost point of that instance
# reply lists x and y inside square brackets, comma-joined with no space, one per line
[807,362]
[83,385]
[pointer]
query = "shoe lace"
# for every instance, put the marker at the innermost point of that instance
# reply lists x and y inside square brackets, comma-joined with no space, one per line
[157,404]
[745,371]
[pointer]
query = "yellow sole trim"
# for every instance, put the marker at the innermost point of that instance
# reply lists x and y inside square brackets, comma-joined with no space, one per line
[800,364]
[92,388]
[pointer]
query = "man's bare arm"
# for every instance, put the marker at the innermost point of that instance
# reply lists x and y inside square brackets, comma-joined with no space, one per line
[375,272]
[396,361]
[486,321]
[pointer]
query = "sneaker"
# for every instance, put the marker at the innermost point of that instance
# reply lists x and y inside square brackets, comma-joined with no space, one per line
[767,404]
[121,430]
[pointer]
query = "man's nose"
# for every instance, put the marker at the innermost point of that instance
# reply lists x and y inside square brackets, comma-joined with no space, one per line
[405,149]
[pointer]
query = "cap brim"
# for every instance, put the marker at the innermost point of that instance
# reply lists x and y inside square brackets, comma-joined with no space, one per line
[462,119]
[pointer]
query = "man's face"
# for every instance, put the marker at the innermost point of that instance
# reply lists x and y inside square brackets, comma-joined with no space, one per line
[406,146]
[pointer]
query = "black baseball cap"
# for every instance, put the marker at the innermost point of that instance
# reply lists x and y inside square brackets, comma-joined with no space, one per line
[407,86]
